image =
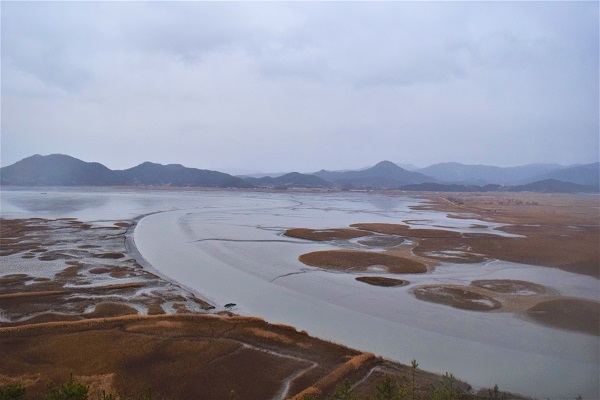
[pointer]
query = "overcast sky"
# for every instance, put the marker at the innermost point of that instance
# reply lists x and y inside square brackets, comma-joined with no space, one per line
[301,86]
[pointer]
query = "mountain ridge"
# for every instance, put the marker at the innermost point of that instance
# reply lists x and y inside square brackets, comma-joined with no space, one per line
[455,172]
[64,170]
[383,174]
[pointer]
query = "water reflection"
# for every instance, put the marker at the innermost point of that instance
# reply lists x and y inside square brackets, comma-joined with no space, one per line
[56,203]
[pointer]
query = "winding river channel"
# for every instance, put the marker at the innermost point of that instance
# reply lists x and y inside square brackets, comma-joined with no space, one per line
[228,247]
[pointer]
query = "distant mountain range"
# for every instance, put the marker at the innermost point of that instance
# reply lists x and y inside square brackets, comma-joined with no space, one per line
[385,174]
[486,174]
[63,170]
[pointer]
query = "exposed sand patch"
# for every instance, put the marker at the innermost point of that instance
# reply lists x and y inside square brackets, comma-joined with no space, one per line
[382,281]
[382,241]
[457,297]
[447,250]
[326,234]
[349,260]
[509,286]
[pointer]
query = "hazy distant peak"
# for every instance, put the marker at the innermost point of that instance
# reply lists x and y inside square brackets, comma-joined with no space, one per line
[149,164]
[385,165]
[168,167]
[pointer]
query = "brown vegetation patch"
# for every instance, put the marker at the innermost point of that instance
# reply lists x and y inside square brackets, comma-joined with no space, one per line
[561,231]
[16,281]
[155,309]
[32,294]
[509,286]
[21,235]
[407,231]
[100,270]
[270,335]
[457,297]
[572,314]
[122,224]
[113,256]
[325,234]
[573,250]
[348,260]
[361,363]
[381,281]
[55,255]
[70,272]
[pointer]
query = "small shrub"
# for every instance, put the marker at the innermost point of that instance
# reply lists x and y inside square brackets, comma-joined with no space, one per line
[446,390]
[106,396]
[15,391]
[388,389]
[495,394]
[413,375]
[343,392]
[69,390]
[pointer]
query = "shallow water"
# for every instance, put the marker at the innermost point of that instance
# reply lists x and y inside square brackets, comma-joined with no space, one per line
[228,247]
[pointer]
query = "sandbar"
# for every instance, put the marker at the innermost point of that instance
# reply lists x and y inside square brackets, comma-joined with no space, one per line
[326,234]
[362,261]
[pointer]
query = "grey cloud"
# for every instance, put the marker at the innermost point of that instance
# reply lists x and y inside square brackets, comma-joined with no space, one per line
[301,85]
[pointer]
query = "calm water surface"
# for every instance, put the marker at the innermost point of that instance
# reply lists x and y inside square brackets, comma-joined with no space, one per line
[228,247]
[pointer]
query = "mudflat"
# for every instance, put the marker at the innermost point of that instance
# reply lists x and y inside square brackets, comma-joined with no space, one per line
[74,302]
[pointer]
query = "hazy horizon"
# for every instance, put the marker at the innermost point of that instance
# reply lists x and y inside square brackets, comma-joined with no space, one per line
[279,87]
